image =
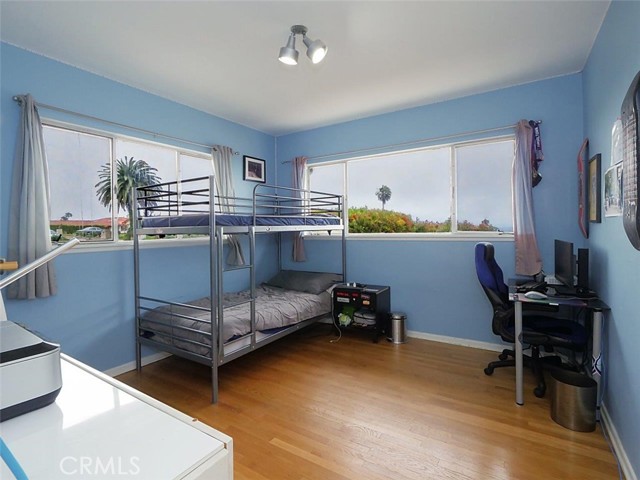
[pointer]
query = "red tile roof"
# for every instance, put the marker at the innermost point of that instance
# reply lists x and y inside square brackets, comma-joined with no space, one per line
[98,222]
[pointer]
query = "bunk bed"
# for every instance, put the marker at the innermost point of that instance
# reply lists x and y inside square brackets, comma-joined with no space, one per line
[226,325]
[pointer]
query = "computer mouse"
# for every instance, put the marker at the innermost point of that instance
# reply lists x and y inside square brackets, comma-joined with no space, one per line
[533,295]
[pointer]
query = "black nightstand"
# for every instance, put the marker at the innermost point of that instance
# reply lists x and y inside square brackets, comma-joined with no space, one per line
[368,300]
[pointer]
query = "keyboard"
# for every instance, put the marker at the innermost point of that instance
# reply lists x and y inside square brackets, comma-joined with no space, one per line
[564,291]
[531,286]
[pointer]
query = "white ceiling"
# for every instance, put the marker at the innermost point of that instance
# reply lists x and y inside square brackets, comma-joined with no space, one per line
[221,56]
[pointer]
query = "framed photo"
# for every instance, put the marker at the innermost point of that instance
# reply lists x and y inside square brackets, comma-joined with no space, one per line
[594,189]
[255,170]
[613,191]
[583,217]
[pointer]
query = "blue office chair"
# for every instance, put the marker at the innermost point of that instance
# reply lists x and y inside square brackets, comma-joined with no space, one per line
[540,327]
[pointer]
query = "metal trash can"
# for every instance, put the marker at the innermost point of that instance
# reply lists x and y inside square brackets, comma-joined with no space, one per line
[573,400]
[397,332]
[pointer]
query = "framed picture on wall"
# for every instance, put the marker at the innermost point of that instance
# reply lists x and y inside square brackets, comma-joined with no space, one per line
[613,191]
[255,170]
[593,182]
[583,220]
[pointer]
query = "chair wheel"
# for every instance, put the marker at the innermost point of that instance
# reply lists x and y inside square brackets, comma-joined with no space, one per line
[503,356]
[539,392]
[488,371]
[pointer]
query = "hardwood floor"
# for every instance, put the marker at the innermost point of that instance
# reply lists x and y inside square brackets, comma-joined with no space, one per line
[304,408]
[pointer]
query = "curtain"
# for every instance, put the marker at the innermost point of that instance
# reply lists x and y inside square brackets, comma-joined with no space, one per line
[30,209]
[528,261]
[299,164]
[224,185]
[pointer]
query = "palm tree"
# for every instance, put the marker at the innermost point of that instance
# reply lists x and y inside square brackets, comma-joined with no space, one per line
[130,173]
[383,194]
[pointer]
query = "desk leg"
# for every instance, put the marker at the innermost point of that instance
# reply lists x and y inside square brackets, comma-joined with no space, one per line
[596,351]
[518,349]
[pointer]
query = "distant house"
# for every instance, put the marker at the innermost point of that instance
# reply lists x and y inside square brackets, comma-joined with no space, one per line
[105,223]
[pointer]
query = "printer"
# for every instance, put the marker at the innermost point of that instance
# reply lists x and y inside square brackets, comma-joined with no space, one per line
[30,374]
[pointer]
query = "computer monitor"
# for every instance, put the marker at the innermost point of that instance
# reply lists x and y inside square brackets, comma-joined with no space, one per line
[566,266]
[564,262]
[583,271]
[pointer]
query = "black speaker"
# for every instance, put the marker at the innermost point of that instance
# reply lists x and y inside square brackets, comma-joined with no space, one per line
[583,270]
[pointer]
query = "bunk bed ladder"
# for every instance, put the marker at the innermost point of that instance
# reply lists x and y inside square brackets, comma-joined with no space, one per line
[216,245]
[217,295]
[252,280]
[136,274]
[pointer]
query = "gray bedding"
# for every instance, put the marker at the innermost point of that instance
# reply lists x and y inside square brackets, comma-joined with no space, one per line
[275,308]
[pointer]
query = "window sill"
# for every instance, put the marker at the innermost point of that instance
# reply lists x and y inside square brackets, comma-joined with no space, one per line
[419,237]
[94,247]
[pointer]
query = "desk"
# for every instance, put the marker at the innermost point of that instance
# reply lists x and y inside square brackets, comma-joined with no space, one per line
[595,305]
[101,428]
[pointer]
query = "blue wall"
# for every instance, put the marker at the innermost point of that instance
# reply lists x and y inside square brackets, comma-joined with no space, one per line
[92,315]
[434,281]
[613,63]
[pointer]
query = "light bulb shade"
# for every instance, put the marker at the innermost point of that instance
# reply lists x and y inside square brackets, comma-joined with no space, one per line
[288,53]
[316,50]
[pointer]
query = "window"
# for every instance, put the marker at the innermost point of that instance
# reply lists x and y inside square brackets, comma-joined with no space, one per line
[464,187]
[86,202]
[75,159]
[483,173]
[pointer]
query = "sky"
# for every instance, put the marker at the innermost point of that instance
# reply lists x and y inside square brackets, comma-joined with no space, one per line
[74,162]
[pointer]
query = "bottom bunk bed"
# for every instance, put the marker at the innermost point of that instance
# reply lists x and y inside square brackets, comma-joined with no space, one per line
[287,302]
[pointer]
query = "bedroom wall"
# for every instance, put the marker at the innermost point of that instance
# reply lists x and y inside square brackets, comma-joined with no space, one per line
[92,315]
[612,65]
[434,281]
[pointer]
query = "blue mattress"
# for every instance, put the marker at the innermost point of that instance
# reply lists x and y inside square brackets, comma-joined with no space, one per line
[227,220]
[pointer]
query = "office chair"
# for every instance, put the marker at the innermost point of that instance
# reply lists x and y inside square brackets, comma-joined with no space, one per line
[540,328]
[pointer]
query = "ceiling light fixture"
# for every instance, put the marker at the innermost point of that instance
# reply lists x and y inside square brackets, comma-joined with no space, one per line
[316,49]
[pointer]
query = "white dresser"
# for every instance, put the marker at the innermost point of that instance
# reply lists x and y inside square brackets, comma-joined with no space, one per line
[100,428]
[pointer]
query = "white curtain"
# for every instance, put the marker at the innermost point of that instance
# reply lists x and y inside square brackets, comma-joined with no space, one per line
[528,261]
[30,209]
[299,164]
[224,185]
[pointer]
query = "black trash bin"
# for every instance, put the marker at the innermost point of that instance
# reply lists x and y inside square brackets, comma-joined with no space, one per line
[573,400]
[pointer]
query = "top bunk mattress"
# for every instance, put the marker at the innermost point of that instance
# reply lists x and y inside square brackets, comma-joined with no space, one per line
[230,220]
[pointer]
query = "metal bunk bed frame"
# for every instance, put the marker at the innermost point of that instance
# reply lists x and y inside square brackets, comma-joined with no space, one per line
[172,201]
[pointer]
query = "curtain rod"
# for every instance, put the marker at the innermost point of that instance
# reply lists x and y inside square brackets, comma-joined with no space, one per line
[412,142]
[121,125]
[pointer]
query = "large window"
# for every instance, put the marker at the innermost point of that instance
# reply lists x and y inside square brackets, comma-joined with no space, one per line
[87,172]
[463,187]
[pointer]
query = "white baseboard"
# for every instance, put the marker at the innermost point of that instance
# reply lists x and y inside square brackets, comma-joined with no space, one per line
[463,342]
[129,366]
[618,448]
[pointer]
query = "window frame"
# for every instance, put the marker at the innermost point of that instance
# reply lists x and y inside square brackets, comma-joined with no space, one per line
[115,243]
[455,234]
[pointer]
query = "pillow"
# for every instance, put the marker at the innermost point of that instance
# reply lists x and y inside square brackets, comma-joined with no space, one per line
[309,282]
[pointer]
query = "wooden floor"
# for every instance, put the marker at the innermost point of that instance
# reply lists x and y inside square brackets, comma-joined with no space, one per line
[304,408]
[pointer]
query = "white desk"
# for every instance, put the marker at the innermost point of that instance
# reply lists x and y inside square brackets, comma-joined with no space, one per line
[101,428]
[595,305]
